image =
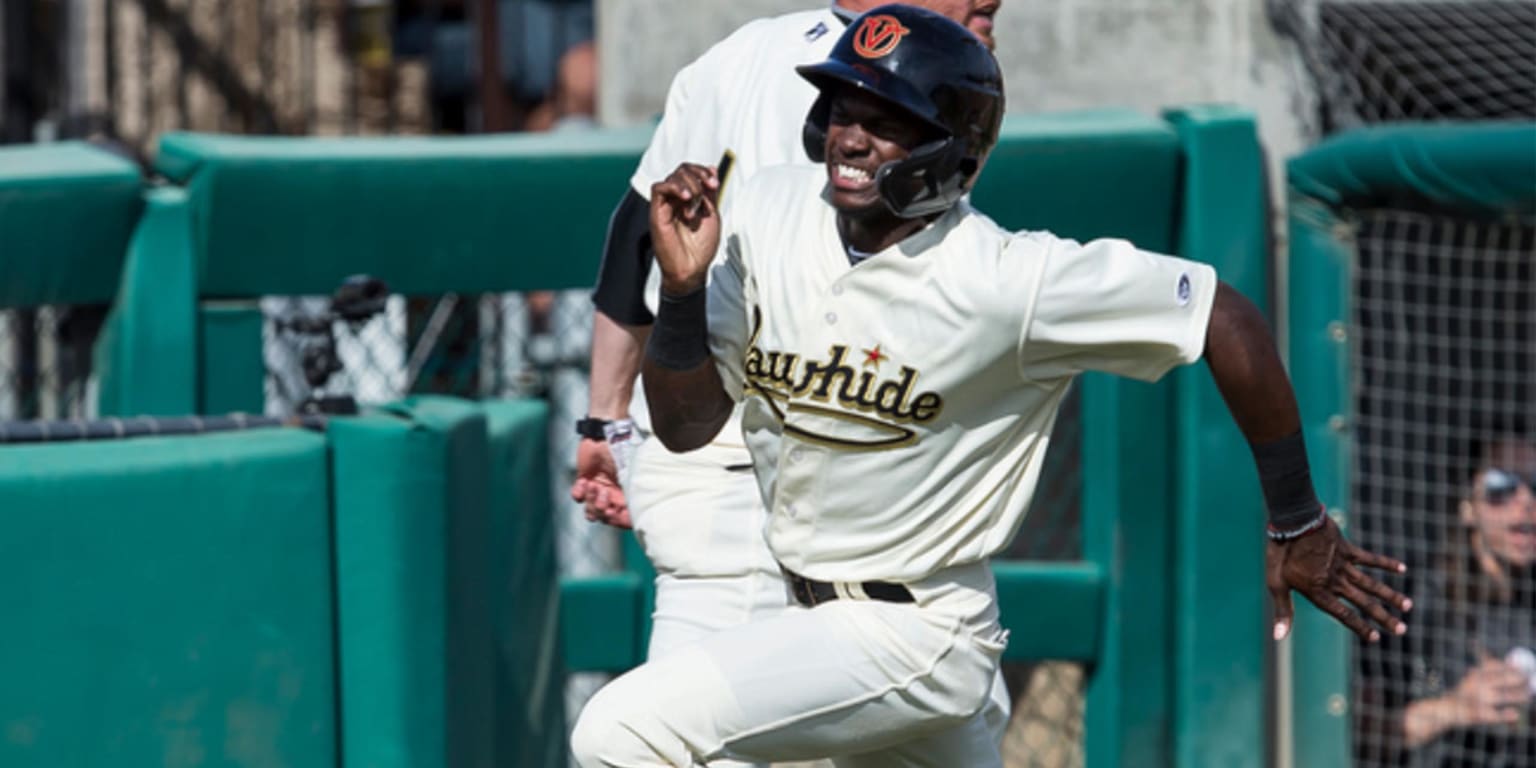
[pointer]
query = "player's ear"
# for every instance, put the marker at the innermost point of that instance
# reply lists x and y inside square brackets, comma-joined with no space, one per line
[813,136]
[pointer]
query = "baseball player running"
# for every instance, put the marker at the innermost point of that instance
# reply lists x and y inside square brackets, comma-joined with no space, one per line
[900,360]
[698,515]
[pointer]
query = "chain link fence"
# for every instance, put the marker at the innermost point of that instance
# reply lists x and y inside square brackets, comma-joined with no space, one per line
[45,361]
[475,346]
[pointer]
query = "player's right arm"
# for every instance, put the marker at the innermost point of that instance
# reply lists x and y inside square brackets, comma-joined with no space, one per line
[687,397]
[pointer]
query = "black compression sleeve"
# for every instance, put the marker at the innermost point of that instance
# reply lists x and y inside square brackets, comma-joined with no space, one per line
[627,259]
[680,339]
[1287,482]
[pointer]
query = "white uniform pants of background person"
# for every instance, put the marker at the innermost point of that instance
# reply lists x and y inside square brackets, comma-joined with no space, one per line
[699,517]
[867,683]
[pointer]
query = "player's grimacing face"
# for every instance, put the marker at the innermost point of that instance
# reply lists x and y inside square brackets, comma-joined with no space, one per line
[865,132]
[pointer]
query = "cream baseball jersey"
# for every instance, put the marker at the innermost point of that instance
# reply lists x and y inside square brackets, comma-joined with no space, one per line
[898,411]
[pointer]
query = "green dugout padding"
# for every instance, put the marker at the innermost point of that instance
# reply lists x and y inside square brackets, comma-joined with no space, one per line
[525,600]
[413,591]
[167,602]
[1487,168]
[1219,623]
[445,581]
[1100,173]
[427,215]
[1321,260]
[66,211]
[147,357]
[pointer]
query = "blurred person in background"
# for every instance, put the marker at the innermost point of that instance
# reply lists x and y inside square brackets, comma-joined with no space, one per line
[573,101]
[571,106]
[1460,692]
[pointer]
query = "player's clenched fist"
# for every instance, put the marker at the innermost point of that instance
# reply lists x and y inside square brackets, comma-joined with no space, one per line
[685,227]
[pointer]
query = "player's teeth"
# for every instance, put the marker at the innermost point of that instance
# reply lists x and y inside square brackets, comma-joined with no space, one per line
[850,172]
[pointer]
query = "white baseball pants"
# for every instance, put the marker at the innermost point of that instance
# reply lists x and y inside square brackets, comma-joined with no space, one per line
[866,683]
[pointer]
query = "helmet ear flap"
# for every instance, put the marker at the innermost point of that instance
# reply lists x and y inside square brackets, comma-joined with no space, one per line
[927,181]
[813,136]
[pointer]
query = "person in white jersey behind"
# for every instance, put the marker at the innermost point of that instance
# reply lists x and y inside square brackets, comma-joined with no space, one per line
[900,360]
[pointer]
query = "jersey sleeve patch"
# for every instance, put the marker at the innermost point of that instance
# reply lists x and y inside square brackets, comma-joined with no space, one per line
[1109,306]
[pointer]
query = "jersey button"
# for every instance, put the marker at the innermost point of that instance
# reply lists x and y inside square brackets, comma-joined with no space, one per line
[837,290]
[795,454]
[831,318]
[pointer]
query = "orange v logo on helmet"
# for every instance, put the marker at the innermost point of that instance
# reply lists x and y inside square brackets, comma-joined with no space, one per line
[878,36]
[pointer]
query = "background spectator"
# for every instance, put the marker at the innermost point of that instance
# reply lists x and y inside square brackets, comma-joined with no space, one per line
[1458,690]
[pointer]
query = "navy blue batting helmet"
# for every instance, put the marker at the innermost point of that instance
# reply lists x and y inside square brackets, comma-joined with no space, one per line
[931,68]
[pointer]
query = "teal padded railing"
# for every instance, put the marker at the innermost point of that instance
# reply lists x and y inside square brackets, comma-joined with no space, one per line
[167,602]
[66,211]
[1484,168]
[275,215]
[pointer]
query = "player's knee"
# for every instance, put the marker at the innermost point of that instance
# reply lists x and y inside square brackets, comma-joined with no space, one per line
[605,737]
[592,732]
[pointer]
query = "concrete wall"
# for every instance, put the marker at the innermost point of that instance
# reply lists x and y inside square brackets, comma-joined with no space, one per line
[1056,55]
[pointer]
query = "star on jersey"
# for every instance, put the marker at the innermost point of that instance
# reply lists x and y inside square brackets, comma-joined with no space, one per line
[874,357]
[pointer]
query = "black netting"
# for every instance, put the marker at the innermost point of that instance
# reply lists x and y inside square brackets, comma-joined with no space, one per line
[1395,60]
[1444,365]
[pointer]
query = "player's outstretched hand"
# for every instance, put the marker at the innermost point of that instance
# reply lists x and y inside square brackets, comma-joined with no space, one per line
[597,484]
[1325,567]
[685,226]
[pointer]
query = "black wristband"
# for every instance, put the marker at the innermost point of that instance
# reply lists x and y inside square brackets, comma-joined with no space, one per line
[680,338]
[1287,482]
[592,429]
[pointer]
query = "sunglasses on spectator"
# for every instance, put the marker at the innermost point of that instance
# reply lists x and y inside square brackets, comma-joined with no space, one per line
[1501,485]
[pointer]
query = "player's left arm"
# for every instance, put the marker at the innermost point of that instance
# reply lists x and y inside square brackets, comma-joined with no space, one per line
[1306,551]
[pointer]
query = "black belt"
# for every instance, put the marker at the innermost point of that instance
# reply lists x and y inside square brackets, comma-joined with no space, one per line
[810,592]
